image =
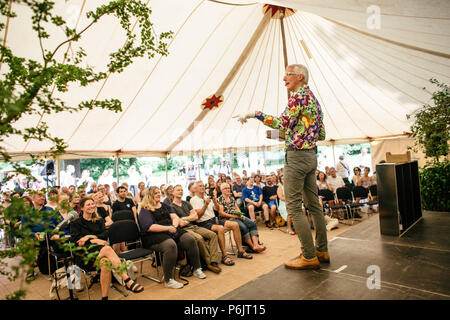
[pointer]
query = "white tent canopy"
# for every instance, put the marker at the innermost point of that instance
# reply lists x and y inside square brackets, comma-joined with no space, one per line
[368,61]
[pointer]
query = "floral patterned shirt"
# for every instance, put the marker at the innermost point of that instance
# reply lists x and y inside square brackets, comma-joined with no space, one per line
[302,120]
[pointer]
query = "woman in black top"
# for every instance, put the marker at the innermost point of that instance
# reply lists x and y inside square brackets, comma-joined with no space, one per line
[160,223]
[89,229]
[103,210]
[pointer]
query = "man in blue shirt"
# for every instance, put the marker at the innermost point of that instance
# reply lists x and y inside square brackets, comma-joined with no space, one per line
[253,198]
[50,223]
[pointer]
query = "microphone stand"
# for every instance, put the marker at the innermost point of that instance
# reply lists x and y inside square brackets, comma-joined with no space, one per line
[69,262]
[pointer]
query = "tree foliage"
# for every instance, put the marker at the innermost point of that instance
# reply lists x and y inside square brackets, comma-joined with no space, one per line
[27,87]
[37,86]
[431,126]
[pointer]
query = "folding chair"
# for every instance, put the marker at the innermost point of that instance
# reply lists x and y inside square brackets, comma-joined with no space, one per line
[327,196]
[345,198]
[128,231]
[122,215]
[90,272]
[373,193]
[361,195]
[56,260]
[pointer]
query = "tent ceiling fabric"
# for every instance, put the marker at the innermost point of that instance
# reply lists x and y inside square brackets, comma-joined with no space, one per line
[366,79]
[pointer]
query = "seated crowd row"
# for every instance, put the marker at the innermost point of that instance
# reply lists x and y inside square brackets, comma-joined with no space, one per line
[196,225]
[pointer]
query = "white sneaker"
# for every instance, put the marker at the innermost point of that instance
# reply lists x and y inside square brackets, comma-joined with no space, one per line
[199,273]
[172,284]
[333,223]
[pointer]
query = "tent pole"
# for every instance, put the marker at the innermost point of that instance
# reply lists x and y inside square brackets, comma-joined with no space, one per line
[58,175]
[334,157]
[117,167]
[283,37]
[199,166]
[231,162]
[167,173]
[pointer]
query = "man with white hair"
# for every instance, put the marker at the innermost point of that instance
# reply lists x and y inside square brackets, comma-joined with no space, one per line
[302,125]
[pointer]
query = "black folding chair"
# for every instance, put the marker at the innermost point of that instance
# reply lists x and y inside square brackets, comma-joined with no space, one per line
[363,195]
[345,197]
[128,231]
[373,195]
[327,195]
[122,215]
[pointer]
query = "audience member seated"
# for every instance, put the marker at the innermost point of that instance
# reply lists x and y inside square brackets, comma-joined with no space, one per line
[191,189]
[39,204]
[258,181]
[238,186]
[89,231]
[210,187]
[322,184]
[82,191]
[163,234]
[129,193]
[63,208]
[93,188]
[282,206]
[140,193]
[204,207]
[206,239]
[229,210]
[357,176]
[72,189]
[168,195]
[105,199]
[253,199]
[39,230]
[123,202]
[103,210]
[218,192]
[366,181]
[334,181]
[74,201]
[52,199]
[270,191]
[111,196]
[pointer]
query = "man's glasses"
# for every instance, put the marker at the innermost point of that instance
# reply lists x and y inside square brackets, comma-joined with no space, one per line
[291,74]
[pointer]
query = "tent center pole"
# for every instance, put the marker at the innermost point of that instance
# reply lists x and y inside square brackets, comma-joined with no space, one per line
[167,168]
[117,167]
[283,37]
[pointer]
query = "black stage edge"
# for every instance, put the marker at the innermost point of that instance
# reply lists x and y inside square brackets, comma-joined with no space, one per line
[366,265]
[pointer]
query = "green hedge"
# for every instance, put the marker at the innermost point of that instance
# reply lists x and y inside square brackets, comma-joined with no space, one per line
[434,186]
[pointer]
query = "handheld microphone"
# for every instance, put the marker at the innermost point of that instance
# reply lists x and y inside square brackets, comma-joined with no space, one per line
[72,215]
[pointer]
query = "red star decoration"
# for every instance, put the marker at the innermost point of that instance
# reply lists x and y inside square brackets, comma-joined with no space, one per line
[212,102]
[275,9]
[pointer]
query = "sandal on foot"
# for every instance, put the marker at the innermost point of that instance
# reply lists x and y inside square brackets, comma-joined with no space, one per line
[227,261]
[134,286]
[245,255]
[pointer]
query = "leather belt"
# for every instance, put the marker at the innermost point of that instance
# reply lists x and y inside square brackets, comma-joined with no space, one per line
[292,148]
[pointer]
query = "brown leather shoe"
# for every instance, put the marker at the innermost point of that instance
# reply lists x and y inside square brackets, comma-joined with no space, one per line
[214,268]
[323,256]
[301,263]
